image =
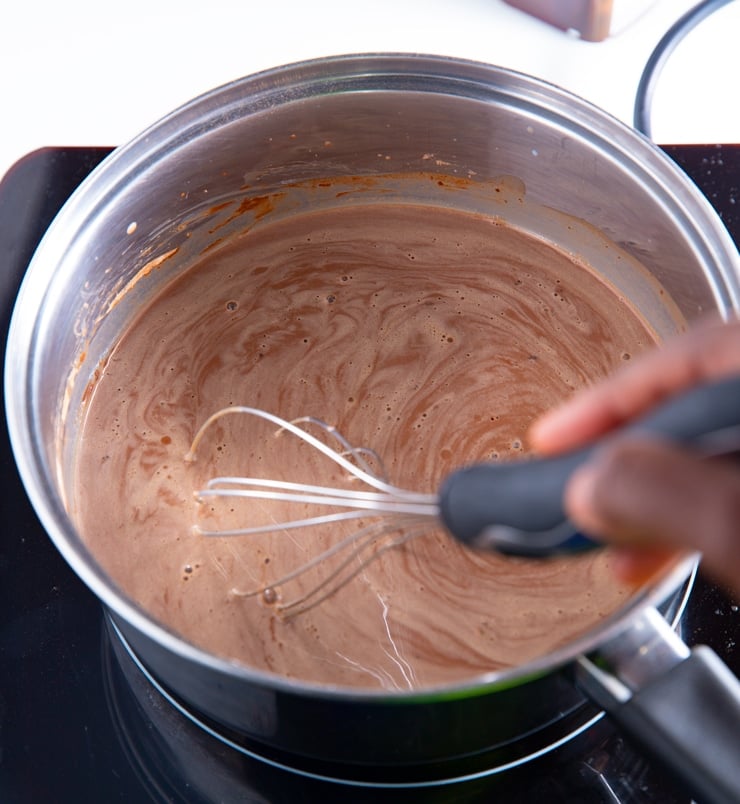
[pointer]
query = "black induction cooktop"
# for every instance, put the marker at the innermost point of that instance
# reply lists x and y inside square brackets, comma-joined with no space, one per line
[79,721]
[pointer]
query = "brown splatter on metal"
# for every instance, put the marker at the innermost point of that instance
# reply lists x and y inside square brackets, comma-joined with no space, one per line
[259,205]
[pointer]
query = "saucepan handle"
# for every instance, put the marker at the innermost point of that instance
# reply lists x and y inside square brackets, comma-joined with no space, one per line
[681,706]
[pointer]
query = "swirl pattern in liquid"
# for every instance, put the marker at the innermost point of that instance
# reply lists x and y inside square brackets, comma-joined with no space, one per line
[432,336]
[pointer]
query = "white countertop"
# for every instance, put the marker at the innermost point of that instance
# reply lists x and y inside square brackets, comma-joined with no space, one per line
[85,73]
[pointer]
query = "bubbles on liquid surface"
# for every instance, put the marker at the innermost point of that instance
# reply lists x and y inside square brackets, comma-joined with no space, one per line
[269,596]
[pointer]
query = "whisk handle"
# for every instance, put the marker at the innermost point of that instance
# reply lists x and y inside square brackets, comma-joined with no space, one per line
[517,507]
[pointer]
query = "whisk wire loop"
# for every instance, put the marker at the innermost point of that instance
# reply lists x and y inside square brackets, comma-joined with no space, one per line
[363,474]
[321,495]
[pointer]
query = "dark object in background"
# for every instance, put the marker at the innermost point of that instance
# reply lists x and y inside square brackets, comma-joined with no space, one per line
[76,715]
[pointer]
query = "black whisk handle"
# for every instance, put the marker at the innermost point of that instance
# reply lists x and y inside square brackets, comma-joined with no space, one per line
[517,507]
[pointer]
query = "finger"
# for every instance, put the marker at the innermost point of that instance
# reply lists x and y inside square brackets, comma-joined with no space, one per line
[637,566]
[711,349]
[654,494]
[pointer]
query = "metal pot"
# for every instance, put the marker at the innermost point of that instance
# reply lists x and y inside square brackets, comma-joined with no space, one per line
[159,196]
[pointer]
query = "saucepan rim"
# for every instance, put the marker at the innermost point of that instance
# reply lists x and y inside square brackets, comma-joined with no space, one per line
[283,85]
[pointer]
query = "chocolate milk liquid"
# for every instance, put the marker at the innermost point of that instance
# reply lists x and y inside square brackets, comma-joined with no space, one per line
[430,335]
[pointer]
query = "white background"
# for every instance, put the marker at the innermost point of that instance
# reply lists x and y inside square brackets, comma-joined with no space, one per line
[92,73]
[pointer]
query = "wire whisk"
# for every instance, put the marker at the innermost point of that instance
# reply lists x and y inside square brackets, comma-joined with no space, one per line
[513,507]
[398,515]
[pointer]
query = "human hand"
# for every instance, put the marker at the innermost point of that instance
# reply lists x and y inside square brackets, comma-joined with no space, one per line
[649,497]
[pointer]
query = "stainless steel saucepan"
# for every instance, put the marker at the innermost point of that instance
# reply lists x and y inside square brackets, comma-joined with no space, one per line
[161,191]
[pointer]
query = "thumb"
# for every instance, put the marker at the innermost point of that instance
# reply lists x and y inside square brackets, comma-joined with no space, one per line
[654,495]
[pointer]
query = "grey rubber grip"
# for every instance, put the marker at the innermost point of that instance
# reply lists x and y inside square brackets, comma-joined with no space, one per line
[527,496]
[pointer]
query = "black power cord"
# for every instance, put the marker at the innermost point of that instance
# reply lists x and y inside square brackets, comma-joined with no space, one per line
[676,33]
